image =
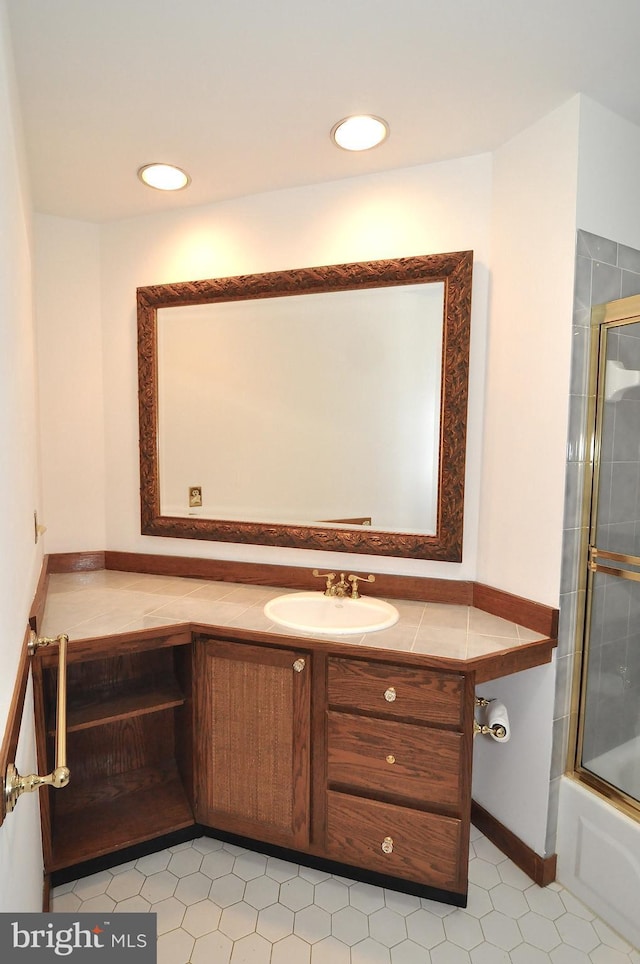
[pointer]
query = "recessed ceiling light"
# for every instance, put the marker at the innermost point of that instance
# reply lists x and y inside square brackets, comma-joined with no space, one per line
[360,132]
[164,177]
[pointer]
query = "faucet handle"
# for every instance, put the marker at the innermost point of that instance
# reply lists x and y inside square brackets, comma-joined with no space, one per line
[354,580]
[329,576]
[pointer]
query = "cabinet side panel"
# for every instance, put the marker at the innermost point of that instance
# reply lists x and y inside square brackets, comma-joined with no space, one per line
[184,737]
[42,711]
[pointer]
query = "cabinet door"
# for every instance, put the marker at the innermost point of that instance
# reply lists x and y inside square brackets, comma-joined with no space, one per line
[253,741]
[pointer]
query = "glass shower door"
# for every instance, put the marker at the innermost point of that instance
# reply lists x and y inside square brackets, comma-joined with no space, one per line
[609,726]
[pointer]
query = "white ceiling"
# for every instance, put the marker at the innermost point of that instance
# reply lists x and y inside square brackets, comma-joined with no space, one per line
[243,93]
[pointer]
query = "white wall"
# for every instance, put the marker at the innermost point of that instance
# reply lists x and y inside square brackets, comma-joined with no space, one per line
[71,411]
[525,430]
[528,361]
[442,207]
[20,558]
[609,161]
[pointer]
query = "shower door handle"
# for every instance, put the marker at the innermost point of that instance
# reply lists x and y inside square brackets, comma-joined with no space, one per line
[595,565]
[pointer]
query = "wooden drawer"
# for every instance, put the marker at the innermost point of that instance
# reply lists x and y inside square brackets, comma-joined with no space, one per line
[424,847]
[405,760]
[400,692]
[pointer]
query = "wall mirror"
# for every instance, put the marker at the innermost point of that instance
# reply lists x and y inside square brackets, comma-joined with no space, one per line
[318,408]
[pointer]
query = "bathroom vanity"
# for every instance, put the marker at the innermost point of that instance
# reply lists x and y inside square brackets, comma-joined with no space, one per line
[351,754]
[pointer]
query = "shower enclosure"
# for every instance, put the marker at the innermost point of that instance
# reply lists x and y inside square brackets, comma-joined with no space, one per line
[608,743]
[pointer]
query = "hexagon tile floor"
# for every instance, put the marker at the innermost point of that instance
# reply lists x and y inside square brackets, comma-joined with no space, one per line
[220,904]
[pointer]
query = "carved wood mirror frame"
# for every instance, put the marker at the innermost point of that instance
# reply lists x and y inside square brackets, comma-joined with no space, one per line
[454,270]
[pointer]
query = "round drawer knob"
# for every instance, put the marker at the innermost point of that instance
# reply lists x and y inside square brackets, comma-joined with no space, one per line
[390,694]
[299,665]
[390,758]
[387,845]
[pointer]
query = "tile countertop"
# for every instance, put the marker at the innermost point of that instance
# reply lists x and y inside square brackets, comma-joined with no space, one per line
[86,605]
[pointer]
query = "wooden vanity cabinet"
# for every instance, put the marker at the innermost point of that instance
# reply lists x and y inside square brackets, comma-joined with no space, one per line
[129,734]
[253,740]
[399,771]
[360,762]
[383,791]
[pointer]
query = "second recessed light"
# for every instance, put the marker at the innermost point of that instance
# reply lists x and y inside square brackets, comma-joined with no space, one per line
[360,132]
[164,177]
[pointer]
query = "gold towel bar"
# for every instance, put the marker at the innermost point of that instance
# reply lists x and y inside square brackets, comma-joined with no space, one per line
[14,784]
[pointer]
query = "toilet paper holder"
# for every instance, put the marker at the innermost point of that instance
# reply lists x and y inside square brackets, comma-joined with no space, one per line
[497,730]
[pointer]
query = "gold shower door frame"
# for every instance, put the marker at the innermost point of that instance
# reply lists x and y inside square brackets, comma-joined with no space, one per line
[612,315]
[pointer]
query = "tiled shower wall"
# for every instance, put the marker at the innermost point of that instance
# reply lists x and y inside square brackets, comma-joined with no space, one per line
[605,271]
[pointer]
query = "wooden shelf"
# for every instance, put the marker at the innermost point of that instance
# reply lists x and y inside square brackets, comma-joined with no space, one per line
[116,822]
[130,700]
[129,726]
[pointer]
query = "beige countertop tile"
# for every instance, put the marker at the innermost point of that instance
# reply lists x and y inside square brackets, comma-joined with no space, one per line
[106,602]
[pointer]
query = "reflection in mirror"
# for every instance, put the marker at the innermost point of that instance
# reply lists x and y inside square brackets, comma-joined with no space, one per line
[343,422]
[321,408]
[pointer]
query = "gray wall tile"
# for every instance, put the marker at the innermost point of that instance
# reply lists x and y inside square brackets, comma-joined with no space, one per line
[606,283]
[582,286]
[597,248]
[628,258]
[630,284]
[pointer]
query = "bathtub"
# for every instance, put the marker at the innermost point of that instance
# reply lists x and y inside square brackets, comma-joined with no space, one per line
[598,851]
[620,767]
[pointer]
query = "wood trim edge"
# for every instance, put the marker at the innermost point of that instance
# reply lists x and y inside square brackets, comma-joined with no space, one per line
[542,870]
[506,662]
[37,606]
[14,717]
[289,577]
[76,561]
[517,609]
[46,894]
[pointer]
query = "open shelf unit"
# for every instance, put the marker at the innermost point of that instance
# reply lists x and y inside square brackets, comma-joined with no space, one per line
[129,730]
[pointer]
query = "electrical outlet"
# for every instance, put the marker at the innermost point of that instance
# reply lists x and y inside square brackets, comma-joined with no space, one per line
[195,496]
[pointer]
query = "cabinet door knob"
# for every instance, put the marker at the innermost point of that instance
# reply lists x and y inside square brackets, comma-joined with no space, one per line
[387,845]
[299,665]
[390,758]
[390,694]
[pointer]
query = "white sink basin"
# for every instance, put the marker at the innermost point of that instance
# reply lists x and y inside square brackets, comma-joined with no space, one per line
[313,612]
